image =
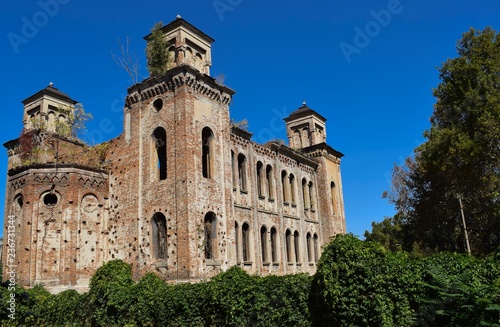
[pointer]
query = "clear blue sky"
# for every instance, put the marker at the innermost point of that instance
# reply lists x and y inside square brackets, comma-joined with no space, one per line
[373,86]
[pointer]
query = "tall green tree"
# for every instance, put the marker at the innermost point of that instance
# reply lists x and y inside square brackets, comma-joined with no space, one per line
[460,158]
[156,51]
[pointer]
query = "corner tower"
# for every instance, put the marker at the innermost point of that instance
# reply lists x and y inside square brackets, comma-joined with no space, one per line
[187,45]
[306,131]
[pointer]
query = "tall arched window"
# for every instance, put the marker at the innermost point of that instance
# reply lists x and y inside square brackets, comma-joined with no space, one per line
[159,140]
[263,243]
[312,196]
[233,170]
[288,245]
[284,187]
[210,227]
[260,170]
[245,242]
[292,189]
[270,181]
[333,195]
[316,247]
[159,235]
[207,140]
[242,172]
[274,246]
[237,241]
[305,194]
[309,247]
[296,242]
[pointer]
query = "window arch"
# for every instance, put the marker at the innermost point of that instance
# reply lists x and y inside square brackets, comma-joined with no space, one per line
[333,195]
[237,241]
[207,141]
[263,243]
[288,245]
[18,202]
[292,188]
[296,242]
[245,242]
[159,162]
[309,247]
[242,172]
[159,235]
[284,183]
[274,245]
[312,196]
[270,181]
[305,194]
[210,227]
[260,177]
[316,247]
[233,171]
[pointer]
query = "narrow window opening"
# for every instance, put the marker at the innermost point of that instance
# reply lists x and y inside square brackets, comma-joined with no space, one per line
[210,227]
[263,243]
[160,144]
[288,244]
[269,179]
[207,152]
[259,178]
[296,242]
[245,238]
[159,235]
[309,249]
[292,189]
[273,245]
[242,175]
[237,241]
[316,247]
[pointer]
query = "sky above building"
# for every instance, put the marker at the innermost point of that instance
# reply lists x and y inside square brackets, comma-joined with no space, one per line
[367,66]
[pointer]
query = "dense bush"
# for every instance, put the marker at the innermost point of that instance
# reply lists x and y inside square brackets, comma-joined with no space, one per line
[361,284]
[357,283]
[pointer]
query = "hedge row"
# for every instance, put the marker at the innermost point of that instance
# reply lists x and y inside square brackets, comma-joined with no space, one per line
[357,284]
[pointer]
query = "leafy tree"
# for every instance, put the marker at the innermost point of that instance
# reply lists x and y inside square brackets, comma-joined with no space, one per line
[156,51]
[460,158]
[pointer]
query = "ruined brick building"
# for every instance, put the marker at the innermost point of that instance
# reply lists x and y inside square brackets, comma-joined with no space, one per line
[181,192]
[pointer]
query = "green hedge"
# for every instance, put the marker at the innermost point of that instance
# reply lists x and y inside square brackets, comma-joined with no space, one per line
[357,283]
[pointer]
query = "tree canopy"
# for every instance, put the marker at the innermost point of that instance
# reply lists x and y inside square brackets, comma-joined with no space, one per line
[460,158]
[156,51]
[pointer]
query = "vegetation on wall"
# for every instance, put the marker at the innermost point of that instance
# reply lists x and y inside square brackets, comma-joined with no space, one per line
[156,51]
[357,283]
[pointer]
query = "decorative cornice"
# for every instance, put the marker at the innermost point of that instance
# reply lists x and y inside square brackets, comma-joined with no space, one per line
[175,78]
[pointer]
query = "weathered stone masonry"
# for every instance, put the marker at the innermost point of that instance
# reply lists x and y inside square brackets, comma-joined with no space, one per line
[181,192]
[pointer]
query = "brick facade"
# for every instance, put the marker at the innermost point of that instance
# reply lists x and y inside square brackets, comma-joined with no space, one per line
[181,192]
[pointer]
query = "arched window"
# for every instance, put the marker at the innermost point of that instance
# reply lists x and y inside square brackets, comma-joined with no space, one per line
[245,242]
[274,246]
[284,187]
[242,172]
[18,203]
[159,140]
[309,247]
[210,227]
[316,247]
[159,229]
[312,196]
[259,178]
[263,243]
[296,243]
[207,140]
[237,241]
[292,189]
[305,194]
[288,244]
[233,171]
[333,195]
[270,181]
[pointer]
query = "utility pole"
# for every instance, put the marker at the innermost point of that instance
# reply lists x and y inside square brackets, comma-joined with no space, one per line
[465,227]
